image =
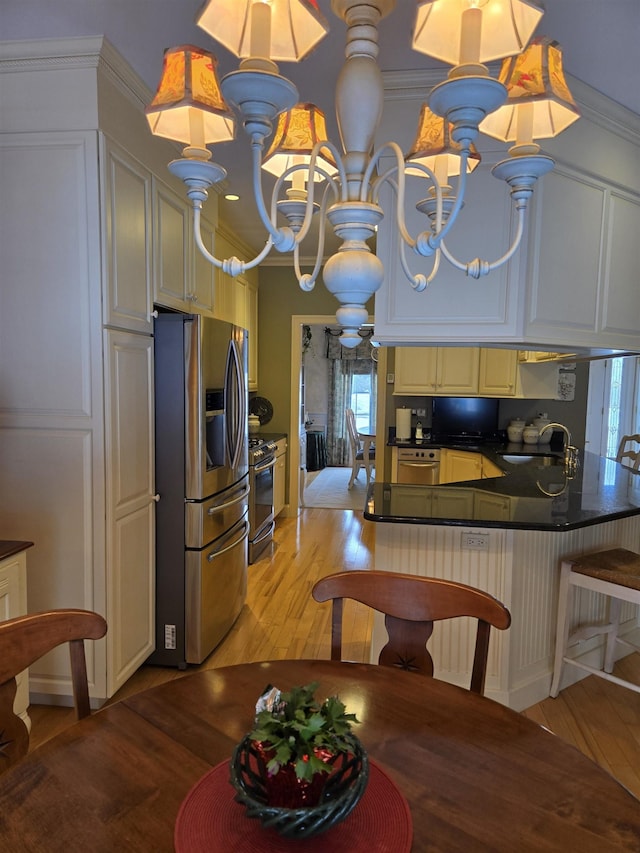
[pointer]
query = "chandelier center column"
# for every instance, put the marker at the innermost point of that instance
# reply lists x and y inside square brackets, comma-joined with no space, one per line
[359,90]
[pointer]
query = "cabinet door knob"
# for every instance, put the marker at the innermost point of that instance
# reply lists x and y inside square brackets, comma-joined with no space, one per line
[155,498]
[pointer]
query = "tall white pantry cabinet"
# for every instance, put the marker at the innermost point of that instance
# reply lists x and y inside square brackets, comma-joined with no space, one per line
[82,183]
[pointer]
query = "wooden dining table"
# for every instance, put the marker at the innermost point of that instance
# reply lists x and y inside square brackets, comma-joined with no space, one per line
[476,775]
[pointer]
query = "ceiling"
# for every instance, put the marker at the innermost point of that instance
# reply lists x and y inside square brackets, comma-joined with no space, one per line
[599,41]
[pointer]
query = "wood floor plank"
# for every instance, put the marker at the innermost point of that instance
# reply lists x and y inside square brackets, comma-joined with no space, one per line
[281,620]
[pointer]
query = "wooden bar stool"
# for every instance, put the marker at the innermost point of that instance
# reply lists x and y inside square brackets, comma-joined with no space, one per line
[615,573]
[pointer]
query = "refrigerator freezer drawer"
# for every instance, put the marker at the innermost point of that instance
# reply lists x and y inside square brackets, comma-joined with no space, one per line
[216,589]
[207,520]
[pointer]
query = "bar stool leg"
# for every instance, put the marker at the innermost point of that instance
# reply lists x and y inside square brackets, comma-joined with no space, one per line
[565,597]
[615,606]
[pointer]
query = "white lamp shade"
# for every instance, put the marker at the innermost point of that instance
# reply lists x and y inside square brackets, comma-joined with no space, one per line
[507,26]
[296,26]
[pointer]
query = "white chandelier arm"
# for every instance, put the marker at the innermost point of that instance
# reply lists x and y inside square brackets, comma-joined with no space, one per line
[419,281]
[341,179]
[397,184]
[479,268]
[307,280]
[282,238]
[428,241]
[312,168]
[232,266]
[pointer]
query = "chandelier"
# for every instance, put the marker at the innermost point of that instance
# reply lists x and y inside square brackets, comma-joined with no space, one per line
[530,100]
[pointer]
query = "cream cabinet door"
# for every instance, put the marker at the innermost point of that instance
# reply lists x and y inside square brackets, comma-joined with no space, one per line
[498,372]
[252,326]
[415,370]
[436,370]
[128,255]
[171,262]
[13,602]
[130,504]
[451,503]
[459,465]
[224,307]
[202,292]
[492,507]
[458,370]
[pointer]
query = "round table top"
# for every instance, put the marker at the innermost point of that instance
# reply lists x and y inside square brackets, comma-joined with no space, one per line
[476,775]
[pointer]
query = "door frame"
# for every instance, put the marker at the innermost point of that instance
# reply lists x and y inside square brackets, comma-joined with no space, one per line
[297,322]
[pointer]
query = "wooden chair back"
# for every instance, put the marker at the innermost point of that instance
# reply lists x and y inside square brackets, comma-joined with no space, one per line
[354,438]
[23,641]
[411,605]
[629,448]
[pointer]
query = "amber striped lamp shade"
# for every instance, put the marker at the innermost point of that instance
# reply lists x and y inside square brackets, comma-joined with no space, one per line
[279,30]
[539,104]
[433,147]
[188,106]
[297,132]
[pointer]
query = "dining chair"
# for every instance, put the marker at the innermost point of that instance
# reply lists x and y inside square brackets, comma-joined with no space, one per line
[629,449]
[25,639]
[358,460]
[411,605]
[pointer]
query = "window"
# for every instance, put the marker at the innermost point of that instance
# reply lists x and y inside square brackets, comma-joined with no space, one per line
[613,403]
[362,401]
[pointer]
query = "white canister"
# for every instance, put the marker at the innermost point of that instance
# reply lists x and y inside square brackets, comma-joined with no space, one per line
[542,421]
[530,434]
[514,430]
[254,424]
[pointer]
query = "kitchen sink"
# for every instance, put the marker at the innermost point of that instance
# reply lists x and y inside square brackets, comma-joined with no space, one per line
[540,458]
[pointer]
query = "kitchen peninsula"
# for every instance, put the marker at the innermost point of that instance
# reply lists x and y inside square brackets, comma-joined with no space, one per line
[506,535]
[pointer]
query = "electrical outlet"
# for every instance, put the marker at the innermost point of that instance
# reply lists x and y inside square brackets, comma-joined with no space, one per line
[391,378]
[169,636]
[421,413]
[475,541]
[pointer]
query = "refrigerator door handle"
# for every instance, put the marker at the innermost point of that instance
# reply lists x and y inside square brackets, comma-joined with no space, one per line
[219,507]
[235,404]
[244,535]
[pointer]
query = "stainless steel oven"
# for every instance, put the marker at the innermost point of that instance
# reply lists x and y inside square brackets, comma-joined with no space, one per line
[417,466]
[262,461]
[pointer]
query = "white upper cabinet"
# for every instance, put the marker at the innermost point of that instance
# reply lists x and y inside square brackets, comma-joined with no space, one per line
[127,188]
[572,286]
[171,267]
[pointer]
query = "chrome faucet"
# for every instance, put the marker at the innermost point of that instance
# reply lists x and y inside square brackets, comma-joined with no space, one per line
[570,451]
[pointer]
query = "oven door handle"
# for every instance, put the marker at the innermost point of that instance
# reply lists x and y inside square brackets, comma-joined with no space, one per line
[219,507]
[264,466]
[266,533]
[417,464]
[244,535]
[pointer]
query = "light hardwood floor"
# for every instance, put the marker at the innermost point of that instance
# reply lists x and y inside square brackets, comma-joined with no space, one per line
[281,620]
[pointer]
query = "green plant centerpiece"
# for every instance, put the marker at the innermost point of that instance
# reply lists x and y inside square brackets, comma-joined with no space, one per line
[300,769]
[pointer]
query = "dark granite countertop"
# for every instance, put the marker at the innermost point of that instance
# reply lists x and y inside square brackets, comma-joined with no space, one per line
[9,547]
[534,494]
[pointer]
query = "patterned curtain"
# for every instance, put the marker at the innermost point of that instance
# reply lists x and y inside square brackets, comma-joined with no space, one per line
[344,365]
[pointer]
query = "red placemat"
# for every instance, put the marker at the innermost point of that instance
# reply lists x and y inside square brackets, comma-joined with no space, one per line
[210,820]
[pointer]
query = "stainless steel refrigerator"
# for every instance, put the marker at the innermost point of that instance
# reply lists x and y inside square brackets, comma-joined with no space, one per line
[202,481]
